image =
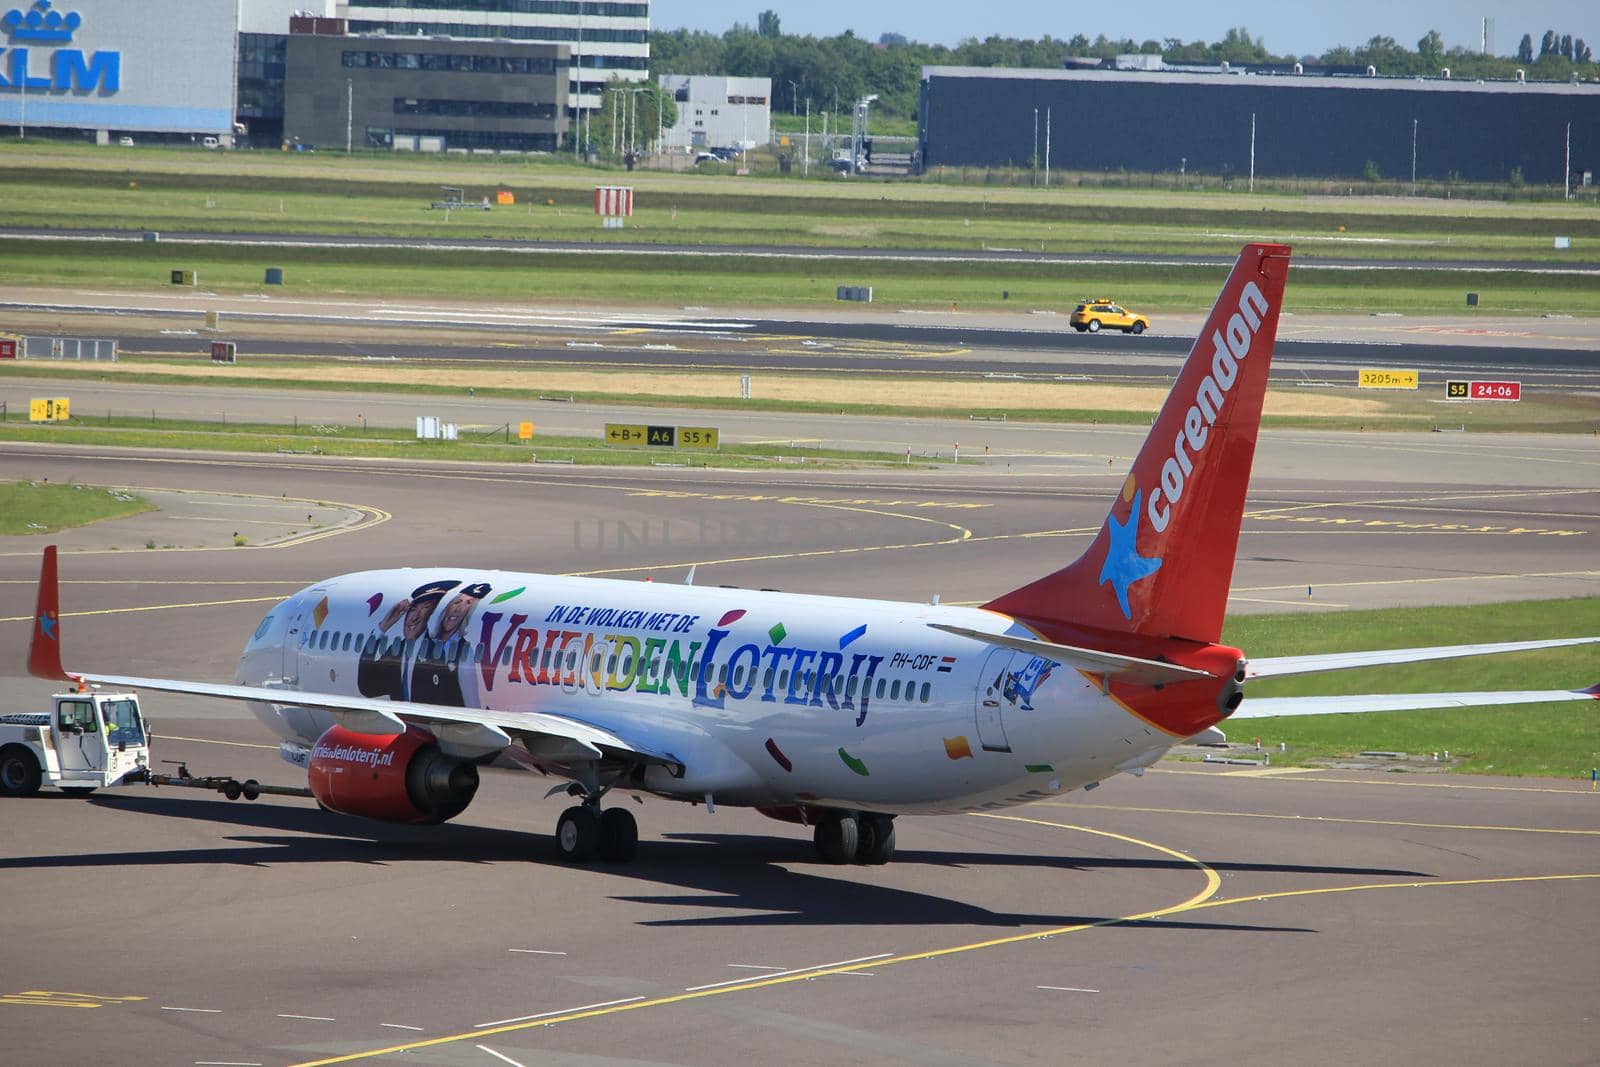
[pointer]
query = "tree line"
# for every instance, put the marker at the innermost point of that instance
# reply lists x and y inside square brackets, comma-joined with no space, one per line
[834,72]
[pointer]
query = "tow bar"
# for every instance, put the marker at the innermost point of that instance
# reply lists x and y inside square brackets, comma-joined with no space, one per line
[231,788]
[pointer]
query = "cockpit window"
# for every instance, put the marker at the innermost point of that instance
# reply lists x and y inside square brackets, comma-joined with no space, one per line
[261,631]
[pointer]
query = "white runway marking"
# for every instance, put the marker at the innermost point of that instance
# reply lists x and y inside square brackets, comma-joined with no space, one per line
[1068,989]
[313,1018]
[499,1056]
[757,966]
[537,951]
[400,1026]
[797,970]
[208,1011]
[558,1011]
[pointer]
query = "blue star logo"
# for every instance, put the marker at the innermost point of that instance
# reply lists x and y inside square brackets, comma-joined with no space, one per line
[47,623]
[1124,565]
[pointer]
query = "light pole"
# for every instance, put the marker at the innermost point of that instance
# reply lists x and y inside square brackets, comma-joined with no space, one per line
[1252,151]
[1047,148]
[1033,161]
[577,100]
[805,160]
[633,119]
[794,99]
[1413,157]
[349,112]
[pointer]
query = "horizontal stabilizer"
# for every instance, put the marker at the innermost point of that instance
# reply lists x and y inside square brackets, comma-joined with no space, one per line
[1283,666]
[1266,707]
[1129,669]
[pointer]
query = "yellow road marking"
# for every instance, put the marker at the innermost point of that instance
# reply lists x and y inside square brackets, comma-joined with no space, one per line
[1421,581]
[1454,784]
[152,607]
[374,517]
[1272,816]
[50,998]
[1329,890]
[1307,602]
[1270,772]
[209,741]
[1213,883]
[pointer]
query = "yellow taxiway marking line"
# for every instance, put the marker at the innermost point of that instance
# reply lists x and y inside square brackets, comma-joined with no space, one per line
[153,607]
[1390,780]
[1213,883]
[49,998]
[373,517]
[1270,772]
[1225,902]
[1421,581]
[297,583]
[1307,602]
[209,741]
[1275,817]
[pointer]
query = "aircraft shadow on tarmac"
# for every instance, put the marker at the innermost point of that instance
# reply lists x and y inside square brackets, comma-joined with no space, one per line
[754,879]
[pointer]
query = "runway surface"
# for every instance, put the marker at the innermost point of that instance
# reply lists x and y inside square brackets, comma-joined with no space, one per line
[1198,914]
[1317,348]
[786,252]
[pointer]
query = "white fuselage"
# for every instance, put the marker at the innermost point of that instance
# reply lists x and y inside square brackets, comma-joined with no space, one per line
[765,698]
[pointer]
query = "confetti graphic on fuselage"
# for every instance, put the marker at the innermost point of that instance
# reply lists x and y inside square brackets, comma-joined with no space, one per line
[853,635]
[373,601]
[503,597]
[853,763]
[777,633]
[731,617]
[319,614]
[777,754]
[957,748]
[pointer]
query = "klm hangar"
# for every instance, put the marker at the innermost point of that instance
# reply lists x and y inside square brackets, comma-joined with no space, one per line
[108,67]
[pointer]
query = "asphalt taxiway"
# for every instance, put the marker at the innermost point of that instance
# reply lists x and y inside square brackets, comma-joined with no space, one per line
[1199,914]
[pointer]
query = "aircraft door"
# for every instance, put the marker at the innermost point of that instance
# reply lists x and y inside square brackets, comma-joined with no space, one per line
[993,684]
[295,629]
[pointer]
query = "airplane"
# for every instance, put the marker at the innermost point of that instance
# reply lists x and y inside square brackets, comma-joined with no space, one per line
[392,687]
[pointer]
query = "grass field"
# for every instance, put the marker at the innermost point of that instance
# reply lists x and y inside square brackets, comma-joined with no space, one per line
[1557,740]
[642,278]
[267,192]
[36,507]
[483,444]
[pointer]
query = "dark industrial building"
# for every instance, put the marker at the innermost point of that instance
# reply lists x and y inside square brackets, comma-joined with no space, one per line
[422,93]
[1306,125]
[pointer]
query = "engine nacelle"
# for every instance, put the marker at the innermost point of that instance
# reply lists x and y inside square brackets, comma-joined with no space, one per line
[403,778]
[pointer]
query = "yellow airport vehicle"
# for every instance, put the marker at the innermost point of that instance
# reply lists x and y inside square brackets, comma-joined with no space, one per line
[1096,315]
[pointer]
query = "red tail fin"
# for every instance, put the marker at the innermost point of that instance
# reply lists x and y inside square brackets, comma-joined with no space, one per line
[1162,563]
[44,650]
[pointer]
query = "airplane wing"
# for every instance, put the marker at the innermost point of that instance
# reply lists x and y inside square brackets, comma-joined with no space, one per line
[554,737]
[1284,666]
[1123,668]
[1266,707]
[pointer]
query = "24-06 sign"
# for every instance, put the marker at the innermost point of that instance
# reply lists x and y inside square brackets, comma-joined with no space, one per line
[1460,390]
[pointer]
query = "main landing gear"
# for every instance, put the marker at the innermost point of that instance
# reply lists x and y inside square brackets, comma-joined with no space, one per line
[855,837]
[584,831]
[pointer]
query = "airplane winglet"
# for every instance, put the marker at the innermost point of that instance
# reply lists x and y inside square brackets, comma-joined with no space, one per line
[44,649]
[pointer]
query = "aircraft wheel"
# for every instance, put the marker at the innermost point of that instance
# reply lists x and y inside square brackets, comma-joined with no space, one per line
[578,834]
[1094,325]
[838,837]
[876,844]
[77,790]
[19,772]
[619,835]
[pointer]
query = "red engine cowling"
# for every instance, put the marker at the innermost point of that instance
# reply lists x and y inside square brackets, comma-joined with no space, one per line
[404,778]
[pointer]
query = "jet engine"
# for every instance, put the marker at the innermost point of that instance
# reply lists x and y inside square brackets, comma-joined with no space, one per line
[403,778]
